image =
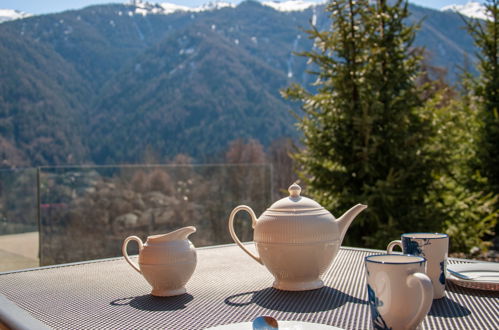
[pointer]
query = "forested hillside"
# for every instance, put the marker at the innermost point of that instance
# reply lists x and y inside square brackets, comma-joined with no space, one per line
[106,83]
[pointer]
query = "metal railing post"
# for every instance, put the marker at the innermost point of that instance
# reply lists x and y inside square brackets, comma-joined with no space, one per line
[39,215]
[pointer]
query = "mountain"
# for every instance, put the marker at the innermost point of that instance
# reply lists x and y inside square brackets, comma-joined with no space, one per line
[234,91]
[470,9]
[446,41]
[106,83]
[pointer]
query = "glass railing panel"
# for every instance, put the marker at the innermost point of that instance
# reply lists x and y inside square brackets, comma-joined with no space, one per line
[18,219]
[87,212]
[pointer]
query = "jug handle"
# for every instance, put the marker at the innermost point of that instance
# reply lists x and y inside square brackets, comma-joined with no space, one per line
[233,233]
[125,254]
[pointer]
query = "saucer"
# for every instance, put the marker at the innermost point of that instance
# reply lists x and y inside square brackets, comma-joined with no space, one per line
[488,273]
[283,325]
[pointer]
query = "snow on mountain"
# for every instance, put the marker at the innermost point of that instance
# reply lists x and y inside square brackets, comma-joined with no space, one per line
[145,8]
[214,5]
[471,9]
[11,14]
[290,5]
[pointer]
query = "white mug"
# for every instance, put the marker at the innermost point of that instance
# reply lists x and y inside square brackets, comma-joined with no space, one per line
[434,247]
[400,293]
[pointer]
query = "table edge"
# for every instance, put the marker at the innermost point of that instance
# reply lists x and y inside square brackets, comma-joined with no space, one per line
[14,317]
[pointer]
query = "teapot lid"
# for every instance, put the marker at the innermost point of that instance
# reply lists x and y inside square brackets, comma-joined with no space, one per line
[295,202]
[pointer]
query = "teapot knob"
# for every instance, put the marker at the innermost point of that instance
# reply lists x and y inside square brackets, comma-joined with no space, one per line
[294,190]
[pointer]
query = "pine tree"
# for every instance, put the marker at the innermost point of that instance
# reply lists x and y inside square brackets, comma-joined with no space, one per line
[467,211]
[486,37]
[363,133]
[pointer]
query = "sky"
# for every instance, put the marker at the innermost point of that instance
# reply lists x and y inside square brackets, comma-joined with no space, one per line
[51,6]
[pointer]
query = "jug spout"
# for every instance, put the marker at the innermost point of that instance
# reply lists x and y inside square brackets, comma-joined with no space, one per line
[346,219]
[176,235]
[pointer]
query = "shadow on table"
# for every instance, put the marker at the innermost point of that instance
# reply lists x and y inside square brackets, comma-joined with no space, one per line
[151,303]
[323,299]
[446,307]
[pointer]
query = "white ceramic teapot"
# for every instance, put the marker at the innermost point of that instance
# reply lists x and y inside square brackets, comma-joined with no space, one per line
[166,261]
[297,239]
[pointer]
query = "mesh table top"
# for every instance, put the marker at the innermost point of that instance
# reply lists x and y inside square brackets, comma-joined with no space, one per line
[227,287]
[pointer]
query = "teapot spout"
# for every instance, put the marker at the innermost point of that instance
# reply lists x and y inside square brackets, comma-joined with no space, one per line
[176,235]
[346,219]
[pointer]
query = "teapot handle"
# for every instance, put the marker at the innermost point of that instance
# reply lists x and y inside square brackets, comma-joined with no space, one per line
[233,233]
[125,254]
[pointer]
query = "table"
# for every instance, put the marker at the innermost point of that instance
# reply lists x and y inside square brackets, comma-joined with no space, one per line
[226,287]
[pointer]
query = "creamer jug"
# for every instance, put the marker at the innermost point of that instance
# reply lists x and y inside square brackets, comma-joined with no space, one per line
[166,261]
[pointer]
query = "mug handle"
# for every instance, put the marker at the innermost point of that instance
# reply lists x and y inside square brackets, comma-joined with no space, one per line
[426,297]
[233,233]
[125,254]
[392,244]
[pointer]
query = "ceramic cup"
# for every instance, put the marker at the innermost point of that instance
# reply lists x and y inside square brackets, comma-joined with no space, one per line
[400,293]
[432,246]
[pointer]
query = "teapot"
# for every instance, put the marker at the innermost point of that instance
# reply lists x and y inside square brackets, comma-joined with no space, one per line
[296,239]
[166,261]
